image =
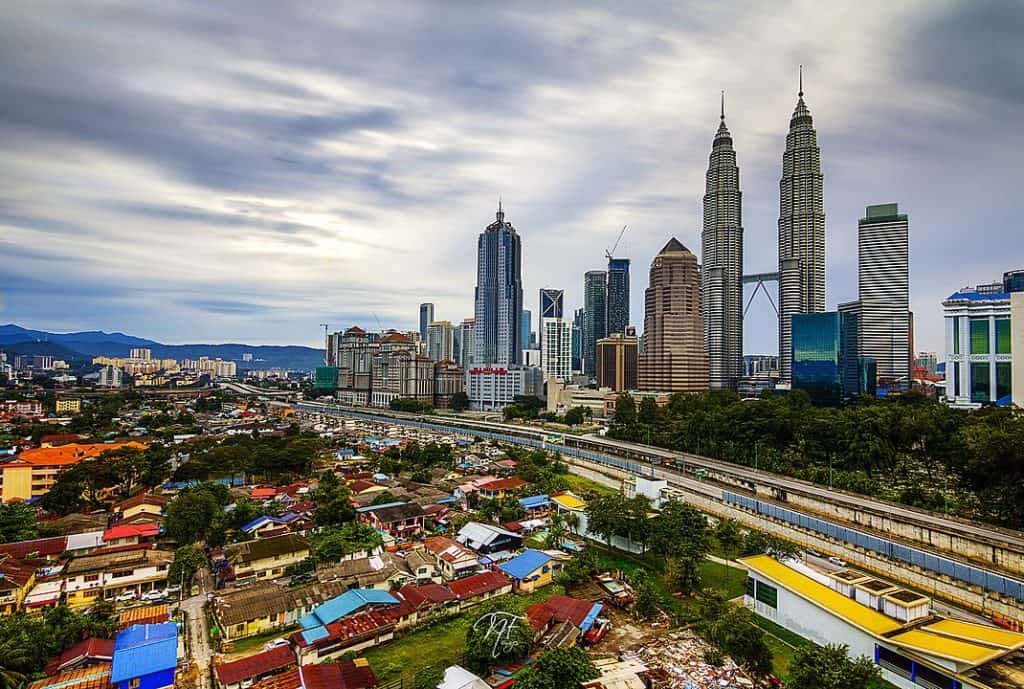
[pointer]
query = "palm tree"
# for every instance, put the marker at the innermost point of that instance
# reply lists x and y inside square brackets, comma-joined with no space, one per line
[13,654]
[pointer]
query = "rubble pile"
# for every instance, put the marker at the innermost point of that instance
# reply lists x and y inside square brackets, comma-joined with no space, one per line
[676,661]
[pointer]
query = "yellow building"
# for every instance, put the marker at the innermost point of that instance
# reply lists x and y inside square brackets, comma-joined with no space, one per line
[15,583]
[266,558]
[69,405]
[531,570]
[33,472]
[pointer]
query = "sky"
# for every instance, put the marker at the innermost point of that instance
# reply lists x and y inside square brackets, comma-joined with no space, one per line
[245,171]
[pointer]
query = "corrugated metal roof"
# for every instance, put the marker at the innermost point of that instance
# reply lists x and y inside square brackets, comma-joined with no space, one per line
[525,564]
[144,649]
[346,604]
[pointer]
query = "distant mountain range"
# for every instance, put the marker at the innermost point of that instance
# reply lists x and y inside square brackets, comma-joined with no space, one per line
[84,345]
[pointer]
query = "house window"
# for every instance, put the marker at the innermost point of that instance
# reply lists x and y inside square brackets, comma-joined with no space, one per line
[1002,336]
[979,336]
[92,577]
[750,586]
[134,683]
[768,595]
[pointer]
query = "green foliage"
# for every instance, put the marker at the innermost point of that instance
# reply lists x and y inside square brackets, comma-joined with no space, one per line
[17,522]
[578,570]
[429,677]
[197,514]
[614,514]
[262,457]
[484,648]
[556,668]
[384,497]
[459,402]
[731,629]
[534,467]
[332,502]
[625,413]
[577,415]
[331,544]
[829,667]
[729,535]
[646,595]
[188,559]
[126,469]
[523,407]
[26,643]
[411,406]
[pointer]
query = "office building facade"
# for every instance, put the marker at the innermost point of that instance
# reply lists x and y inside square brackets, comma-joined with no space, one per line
[441,341]
[499,295]
[577,341]
[617,362]
[673,357]
[825,360]
[426,318]
[595,317]
[722,262]
[491,387]
[801,229]
[883,304]
[556,348]
[467,342]
[617,295]
[979,351]
[527,324]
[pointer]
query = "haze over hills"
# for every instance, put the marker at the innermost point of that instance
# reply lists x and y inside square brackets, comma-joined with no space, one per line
[15,339]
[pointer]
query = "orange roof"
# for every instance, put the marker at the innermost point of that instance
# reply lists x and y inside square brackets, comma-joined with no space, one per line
[72,453]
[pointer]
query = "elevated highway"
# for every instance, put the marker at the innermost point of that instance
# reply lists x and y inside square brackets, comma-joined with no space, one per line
[977,565]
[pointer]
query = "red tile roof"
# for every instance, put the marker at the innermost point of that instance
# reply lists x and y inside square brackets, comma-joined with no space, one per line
[255,666]
[146,614]
[141,499]
[43,547]
[129,530]
[360,486]
[289,679]
[426,593]
[345,674]
[503,484]
[86,649]
[478,584]
[263,492]
[559,609]
[71,454]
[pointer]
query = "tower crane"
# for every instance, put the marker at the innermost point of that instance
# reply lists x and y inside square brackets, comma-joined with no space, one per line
[609,253]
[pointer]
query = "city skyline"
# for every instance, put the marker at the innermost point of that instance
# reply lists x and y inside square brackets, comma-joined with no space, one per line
[251,192]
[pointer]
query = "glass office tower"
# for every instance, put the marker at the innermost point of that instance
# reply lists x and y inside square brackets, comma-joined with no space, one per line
[824,360]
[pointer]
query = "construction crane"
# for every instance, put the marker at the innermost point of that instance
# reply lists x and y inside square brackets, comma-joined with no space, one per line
[327,343]
[379,326]
[609,253]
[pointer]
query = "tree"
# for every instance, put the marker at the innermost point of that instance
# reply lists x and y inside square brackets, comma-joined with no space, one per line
[331,544]
[17,522]
[576,416]
[645,603]
[625,411]
[728,534]
[188,559]
[732,630]
[649,412]
[829,667]
[459,402]
[556,668]
[15,653]
[197,515]
[497,637]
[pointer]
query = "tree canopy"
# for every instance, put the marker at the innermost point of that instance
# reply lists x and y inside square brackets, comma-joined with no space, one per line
[556,668]
[829,667]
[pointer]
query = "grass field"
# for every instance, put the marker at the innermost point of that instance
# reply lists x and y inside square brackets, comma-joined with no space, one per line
[582,485]
[254,644]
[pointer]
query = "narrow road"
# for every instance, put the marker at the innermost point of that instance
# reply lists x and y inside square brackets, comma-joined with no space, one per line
[199,640]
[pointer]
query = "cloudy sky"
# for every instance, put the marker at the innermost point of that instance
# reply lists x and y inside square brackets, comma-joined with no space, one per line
[217,171]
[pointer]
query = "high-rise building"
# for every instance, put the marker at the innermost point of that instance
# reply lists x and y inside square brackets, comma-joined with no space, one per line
[617,362]
[883,302]
[1013,281]
[927,362]
[527,336]
[441,341]
[492,387]
[355,364]
[618,295]
[673,357]
[722,262]
[555,337]
[467,340]
[141,353]
[1016,345]
[595,316]
[825,361]
[426,318]
[110,377]
[801,229]
[499,295]
[577,341]
[979,351]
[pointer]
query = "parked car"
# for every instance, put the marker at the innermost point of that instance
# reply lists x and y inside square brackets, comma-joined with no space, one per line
[125,597]
[837,561]
[172,590]
[153,595]
[275,643]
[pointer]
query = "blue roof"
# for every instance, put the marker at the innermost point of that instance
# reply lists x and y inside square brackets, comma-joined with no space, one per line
[525,564]
[344,605]
[588,621]
[534,501]
[445,501]
[371,508]
[144,649]
[260,521]
[978,296]
[314,634]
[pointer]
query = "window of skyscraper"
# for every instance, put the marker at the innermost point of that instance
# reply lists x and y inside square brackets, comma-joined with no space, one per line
[1003,379]
[979,336]
[980,388]
[956,334]
[1002,336]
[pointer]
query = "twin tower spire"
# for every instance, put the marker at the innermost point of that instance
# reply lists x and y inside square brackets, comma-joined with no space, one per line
[801,246]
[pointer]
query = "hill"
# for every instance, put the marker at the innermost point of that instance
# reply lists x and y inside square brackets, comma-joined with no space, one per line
[92,343]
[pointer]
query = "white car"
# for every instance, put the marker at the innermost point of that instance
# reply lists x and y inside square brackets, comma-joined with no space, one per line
[155,594]
[836,561]
[125,597]
[276,643]
[172,590]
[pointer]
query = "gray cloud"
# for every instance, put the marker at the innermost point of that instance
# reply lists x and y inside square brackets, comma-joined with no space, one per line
[214,171]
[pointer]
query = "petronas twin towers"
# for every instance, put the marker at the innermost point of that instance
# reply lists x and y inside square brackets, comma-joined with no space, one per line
[801,246]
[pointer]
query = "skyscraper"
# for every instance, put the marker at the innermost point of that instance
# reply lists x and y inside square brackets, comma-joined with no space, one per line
[527,320]
[801,229]
[673,357]
[722,262]
[577,340]
[618,295]
[883,251]
[440,341]
[556,348]
[499,295]
[426,318]
[595,317]
[467,343]
[617,362]
[550,307]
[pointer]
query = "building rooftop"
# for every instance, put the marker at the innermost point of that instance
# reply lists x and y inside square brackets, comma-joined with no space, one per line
[569,501]
[525,564]
[253,666]
[834,602]
[948,648]
[71,453]
[250,551]
[96,677]
[144,649]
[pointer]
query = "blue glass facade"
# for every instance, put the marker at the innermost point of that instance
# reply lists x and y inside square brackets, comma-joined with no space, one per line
[825,362]
[618,295]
